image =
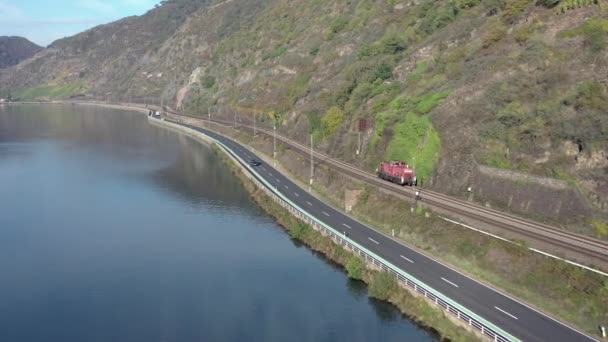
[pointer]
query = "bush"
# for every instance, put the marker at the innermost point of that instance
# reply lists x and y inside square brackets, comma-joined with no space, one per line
[514,8]
[494,32]
[594,32]
[299,230]
[331,121]
[467,3]
[208,82]
[382,285]
[591,95]
[548,3]
[279,51]
[601,228]
[355,267]
[390,44]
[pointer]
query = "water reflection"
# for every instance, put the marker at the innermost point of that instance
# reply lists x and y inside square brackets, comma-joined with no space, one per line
[191,178]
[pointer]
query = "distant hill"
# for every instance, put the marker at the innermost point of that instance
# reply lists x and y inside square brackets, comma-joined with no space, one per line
[15,49]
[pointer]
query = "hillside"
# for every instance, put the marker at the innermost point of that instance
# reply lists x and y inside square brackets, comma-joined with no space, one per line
[13,50]
[507,97]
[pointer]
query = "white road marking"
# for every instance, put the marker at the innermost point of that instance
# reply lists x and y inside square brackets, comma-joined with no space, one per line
[326,214]
[297,195]
[263,168]
[374,241]
[308,203]
[278,180]
[506,313]
[347,226]
[406,259]
[286,187]
[449,282]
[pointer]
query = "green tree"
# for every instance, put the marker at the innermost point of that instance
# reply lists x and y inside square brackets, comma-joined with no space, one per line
[355,267]
[382,285]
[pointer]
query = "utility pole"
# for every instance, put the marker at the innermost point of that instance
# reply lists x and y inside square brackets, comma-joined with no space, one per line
[209,114]
[312,167]
[274,143]
[359,143]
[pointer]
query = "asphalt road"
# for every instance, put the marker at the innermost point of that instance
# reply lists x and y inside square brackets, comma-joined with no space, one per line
[510,315]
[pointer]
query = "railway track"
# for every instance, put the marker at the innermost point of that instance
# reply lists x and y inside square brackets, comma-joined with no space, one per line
[588,249]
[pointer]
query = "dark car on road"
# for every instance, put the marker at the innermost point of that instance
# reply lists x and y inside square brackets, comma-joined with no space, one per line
[255,162]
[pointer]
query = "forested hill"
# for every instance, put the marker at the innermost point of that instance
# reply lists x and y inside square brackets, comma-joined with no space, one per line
[508,97]
[15,49]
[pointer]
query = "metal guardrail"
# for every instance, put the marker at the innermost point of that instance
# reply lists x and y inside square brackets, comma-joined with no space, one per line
[486,328]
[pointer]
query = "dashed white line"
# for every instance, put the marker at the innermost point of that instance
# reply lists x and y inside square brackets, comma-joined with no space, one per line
[347,226]
[374,241]
[278,180]
[506,313]
[297,195]
[263,168]
[449,282]
[410,260]
[326,214]
[286,187]
[308,203]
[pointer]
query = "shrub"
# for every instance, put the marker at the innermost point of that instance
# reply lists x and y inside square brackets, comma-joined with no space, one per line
[601,228]
[299,230]
[514,8]
[208,82]
[592,95]
[548,3]
[336,26]
[332,120]
[390,44]
[382,285]
[355,267]
[467,3]
[494,32]
[279,51]
[594,32]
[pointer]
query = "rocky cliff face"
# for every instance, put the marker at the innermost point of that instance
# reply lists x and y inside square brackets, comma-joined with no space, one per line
[13,50]
[455,88]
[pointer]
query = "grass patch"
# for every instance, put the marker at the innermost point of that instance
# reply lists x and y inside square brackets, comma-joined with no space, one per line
[49,91]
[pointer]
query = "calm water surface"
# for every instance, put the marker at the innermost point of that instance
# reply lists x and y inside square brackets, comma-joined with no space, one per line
[115,230]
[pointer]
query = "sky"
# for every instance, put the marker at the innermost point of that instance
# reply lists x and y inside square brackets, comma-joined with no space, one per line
[43,21]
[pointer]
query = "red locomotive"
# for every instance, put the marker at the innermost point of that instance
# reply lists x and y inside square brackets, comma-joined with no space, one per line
[396,171]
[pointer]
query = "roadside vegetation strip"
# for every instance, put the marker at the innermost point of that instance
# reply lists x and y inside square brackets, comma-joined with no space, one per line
[473,318]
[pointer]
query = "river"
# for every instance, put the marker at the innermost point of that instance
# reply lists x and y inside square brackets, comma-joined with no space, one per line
[115,230]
